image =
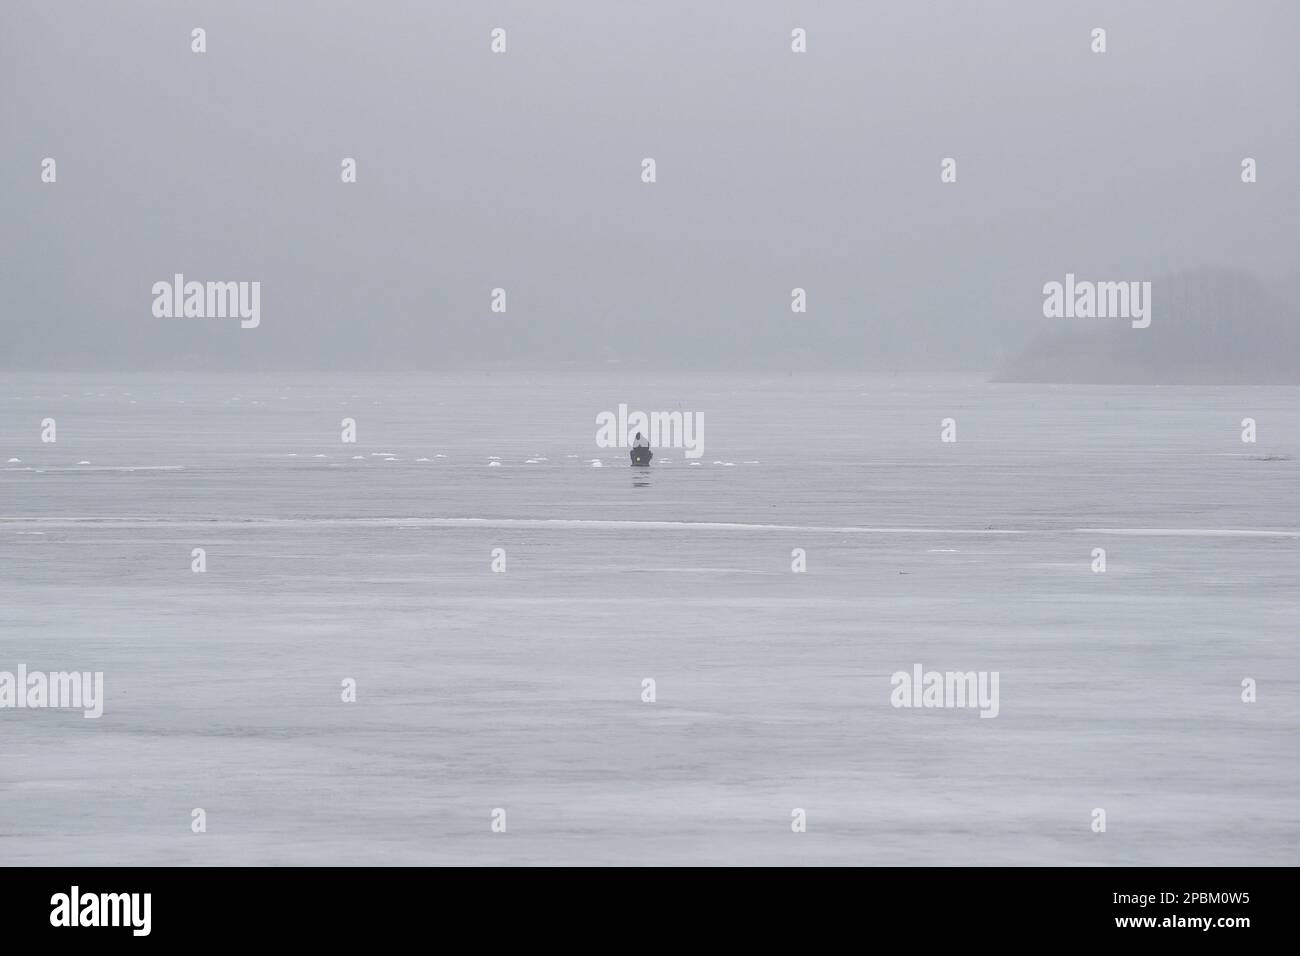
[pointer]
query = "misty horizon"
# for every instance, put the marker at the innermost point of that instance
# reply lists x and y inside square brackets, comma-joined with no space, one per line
[774,171]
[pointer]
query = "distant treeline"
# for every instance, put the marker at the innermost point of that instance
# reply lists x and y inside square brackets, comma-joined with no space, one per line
[1209,326]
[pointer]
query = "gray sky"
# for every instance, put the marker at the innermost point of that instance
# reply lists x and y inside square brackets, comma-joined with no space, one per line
[522,170]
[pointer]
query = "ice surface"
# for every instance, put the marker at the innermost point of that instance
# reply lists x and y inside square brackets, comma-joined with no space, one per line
[522,690]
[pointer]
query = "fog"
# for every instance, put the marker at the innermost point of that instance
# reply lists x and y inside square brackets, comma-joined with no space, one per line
[523,171]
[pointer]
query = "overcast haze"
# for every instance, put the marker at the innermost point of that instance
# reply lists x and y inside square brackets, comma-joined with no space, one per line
[361,580]
[522,170]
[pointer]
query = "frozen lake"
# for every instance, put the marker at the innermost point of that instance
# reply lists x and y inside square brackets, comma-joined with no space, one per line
[522,690]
